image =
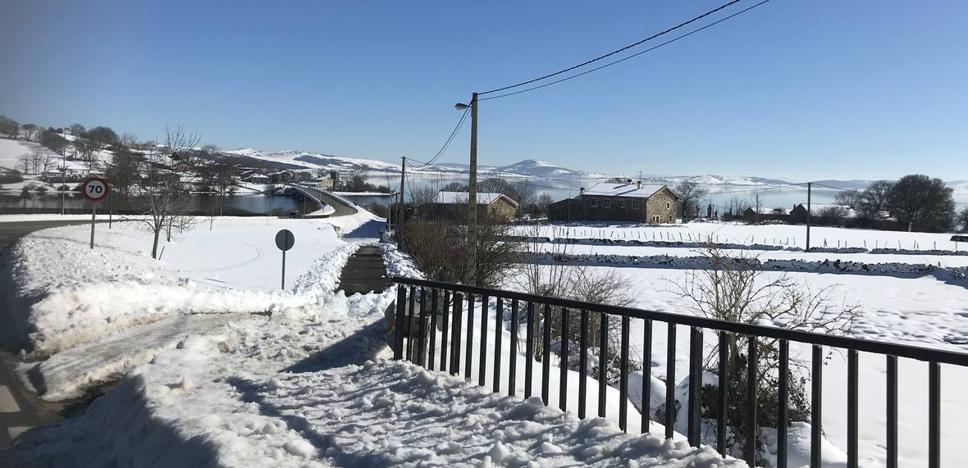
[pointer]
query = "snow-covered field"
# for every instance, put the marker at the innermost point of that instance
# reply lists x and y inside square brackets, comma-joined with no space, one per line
[912,309]
[775,234]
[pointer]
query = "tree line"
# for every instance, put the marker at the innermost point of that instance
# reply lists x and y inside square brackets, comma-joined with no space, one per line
[917,202]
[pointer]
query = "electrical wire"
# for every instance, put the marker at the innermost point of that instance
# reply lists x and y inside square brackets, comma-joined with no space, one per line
[450,138]
[616,51]
[616,62]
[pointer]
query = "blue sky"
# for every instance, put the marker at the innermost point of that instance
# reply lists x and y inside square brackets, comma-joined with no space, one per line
[795,88]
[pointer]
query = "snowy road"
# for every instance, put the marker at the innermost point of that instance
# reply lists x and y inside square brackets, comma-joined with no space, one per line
[19,411]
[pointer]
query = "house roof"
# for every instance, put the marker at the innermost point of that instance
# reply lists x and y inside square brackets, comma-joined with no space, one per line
[606,189]
[818,209]
[460,198]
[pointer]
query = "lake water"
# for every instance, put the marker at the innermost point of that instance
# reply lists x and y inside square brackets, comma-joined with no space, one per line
[720,196]
[230,205]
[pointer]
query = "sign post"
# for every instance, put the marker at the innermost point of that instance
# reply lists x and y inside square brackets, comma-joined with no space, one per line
[94,189]
[284,240]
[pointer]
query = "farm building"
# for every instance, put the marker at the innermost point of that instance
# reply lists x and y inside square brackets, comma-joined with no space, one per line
[452,205]
[627,201]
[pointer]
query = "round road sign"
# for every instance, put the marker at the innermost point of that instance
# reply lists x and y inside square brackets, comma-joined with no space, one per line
[95,188]
[285,240]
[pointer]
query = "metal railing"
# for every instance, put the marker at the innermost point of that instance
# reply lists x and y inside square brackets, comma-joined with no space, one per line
[440,306]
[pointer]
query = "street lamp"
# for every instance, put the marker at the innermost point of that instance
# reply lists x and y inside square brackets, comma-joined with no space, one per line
[472,192]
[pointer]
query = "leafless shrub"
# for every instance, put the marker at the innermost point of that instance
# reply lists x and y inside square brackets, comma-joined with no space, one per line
[580,283]
[440,249]
[734,288]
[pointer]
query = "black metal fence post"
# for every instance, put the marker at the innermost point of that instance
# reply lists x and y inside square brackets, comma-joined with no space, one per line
[422,329]
[670,404]
[563,363]
[602,362]
[852,390]
[529,352]
[891,412]
[498,334]
[695,385]
[721,420]
[432,352]
[646,402]
[582,362]
[546,353]
[623,377]
[482,371]
[398,326]
[455,336]
[469,358]
[409,323]
[444,328]
[782,403]
[816,407]
[513,364]
[752,427]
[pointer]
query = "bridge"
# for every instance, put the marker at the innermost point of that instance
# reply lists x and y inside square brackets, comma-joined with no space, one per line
[329,204]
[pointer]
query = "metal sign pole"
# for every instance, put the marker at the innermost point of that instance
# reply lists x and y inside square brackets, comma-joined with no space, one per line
[284,240]
[93,213]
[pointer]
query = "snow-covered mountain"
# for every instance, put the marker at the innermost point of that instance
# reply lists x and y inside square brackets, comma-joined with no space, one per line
[536,168]
[309,160]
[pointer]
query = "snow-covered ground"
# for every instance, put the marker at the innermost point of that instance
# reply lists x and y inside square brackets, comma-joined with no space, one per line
[773,234]
[908,309]
[100,311]
[303,381]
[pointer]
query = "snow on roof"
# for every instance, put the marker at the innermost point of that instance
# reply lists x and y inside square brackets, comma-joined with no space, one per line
[821,209]
[459,198]
[608,189]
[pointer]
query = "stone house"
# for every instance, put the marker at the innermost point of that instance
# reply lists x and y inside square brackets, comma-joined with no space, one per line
[453,205]
[607,201]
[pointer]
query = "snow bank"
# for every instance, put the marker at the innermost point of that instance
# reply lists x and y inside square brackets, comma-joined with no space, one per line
[259,393]
[71,294]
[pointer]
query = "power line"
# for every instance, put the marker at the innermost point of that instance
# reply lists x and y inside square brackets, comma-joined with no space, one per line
[616,51]
[450,138]
[616,62]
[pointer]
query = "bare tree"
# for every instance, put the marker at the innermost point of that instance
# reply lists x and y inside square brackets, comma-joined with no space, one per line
[23,164]
[757,206]
[29,131]
[736,288]
[162,192]
[36,159]
[577,282]
[689,193]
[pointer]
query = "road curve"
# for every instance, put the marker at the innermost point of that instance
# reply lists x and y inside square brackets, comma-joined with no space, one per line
[20,409]
[342,207]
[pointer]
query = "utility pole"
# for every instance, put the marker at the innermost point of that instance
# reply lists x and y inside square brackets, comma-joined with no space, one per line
[472,197]
[403,176]
[64,179]
[809,187]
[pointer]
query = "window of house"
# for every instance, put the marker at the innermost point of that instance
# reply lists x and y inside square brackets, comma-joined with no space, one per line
[594,203]
[635,204]
[621,205]
[668,205]
[606,203]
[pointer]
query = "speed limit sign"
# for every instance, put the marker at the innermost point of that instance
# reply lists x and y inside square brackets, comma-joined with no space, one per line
[95,189]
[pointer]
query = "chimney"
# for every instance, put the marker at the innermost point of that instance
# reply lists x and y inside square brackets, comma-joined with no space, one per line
[628,181]
[638,184]
[581,190]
